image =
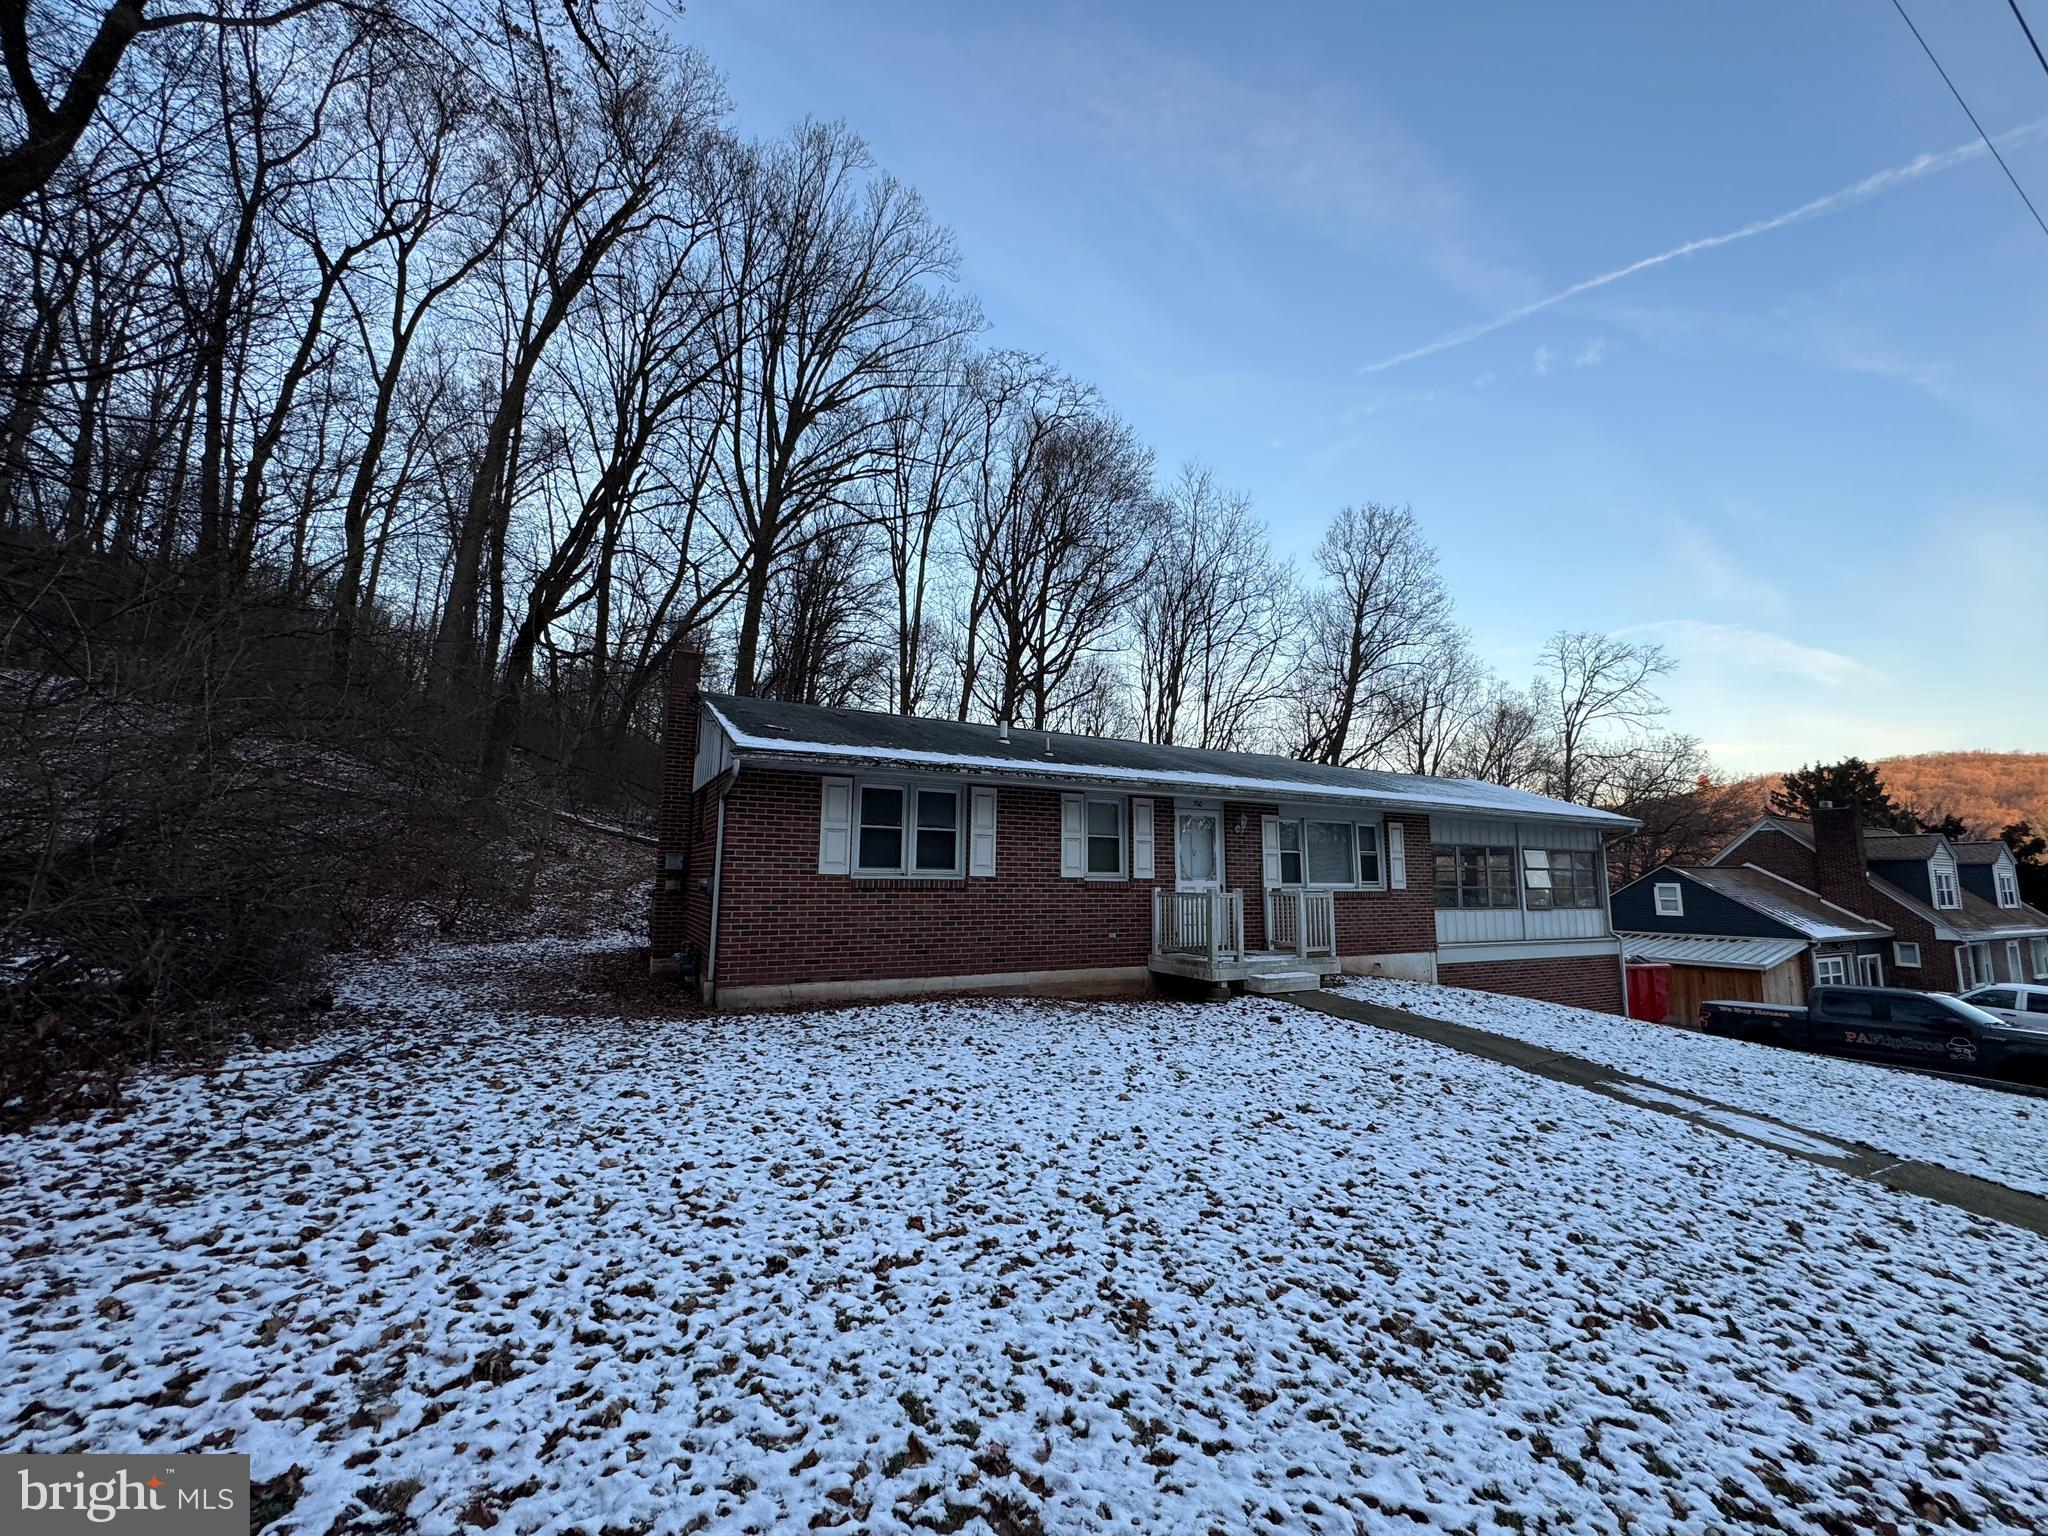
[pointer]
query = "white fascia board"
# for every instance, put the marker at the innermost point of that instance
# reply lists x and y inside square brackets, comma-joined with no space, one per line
[825,755]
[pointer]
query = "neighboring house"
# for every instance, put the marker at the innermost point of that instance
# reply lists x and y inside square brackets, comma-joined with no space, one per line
[1743,934]
[1953,907]
[813,854]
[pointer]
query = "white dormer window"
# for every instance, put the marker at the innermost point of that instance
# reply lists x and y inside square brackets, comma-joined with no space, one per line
[2008,884]
[1947,895]
[1670,899]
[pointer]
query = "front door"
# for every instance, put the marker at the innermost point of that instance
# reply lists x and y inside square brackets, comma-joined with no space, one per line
[1198,850]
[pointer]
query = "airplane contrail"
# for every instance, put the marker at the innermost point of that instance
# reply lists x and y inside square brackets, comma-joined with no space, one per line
[1869,186]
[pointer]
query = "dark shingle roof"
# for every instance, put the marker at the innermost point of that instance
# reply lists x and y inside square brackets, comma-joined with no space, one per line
[1902,848]
[1980,852]
[812,735]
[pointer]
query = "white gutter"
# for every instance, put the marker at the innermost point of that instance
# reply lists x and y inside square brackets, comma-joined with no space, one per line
[710,986]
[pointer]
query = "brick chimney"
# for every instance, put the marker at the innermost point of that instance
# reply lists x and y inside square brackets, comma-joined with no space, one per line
[674,823]
[1841,873]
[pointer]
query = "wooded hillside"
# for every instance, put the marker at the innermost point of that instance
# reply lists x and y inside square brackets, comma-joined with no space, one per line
[1988,790]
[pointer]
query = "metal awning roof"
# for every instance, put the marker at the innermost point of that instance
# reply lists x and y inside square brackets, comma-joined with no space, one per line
[1727,954]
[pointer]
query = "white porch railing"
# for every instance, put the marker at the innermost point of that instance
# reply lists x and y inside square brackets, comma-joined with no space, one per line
[1301,922]
[1209,924]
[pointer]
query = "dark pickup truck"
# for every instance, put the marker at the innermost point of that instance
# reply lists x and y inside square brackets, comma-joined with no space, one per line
[1890,1024]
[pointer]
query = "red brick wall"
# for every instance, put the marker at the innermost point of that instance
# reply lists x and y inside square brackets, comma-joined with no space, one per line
[1841,874]
[1584,981]
[782,922]
[703,862]
[1368,922]
[1781,854]
[674,825]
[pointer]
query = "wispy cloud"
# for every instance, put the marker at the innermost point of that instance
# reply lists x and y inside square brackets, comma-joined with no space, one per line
[1918,167]
[1723,645]
[1206,143]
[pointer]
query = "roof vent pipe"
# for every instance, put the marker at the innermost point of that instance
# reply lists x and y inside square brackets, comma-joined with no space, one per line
[1002,730]
[1048,743]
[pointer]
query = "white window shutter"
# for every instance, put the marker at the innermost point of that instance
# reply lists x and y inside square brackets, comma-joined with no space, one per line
[1269,847]
[1073,841]
[1397,856]
[1141,839]
[981,832]
[835,828]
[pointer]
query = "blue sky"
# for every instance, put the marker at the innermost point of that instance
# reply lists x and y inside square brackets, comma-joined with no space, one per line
[1813,461]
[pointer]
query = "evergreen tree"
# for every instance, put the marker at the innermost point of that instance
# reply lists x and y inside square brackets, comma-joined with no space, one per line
[2030,853]
[1852,781]
[1951,826]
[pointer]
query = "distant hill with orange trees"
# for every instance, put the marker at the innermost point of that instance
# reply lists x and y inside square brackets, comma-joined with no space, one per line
[1988,790]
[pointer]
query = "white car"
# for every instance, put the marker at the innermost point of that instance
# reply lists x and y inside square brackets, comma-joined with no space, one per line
[2017,1002]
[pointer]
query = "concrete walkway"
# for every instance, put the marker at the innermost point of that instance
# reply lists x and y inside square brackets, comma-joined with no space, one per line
[1978,1197]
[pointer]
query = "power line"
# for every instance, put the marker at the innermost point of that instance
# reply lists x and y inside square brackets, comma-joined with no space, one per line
[2019,16]
[1899,6]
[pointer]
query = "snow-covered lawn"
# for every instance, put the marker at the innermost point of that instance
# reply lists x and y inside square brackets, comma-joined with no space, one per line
[1005,1267]
[1976,1130]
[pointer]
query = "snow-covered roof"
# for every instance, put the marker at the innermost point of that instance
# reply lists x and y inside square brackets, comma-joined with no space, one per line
[812,735]
[1793,905]
[1713,951]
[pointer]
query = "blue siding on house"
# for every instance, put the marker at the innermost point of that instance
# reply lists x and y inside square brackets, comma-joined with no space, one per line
[1978,878]
[1706,911]
[1909,875]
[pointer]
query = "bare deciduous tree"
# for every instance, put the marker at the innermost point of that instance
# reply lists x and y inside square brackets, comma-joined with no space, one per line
[1591,682]
[834,310]
[1379,610]
[1214,616]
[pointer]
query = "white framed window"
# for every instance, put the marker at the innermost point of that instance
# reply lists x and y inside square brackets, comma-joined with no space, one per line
[1557,879]
[1670,898]
[1830,970]
[1092,837]
[2040,959]
[1869,971]
[1947,895]
[2012,960]
[906,829]
[1331,850]
[1288,834]
[878,837]
[2008,882]
[1906,955]
[935,848]
[1371,868]
[1106,837]
[1321,854]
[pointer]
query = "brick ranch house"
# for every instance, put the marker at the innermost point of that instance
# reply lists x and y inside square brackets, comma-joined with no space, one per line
[813,855]
[1870,905]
